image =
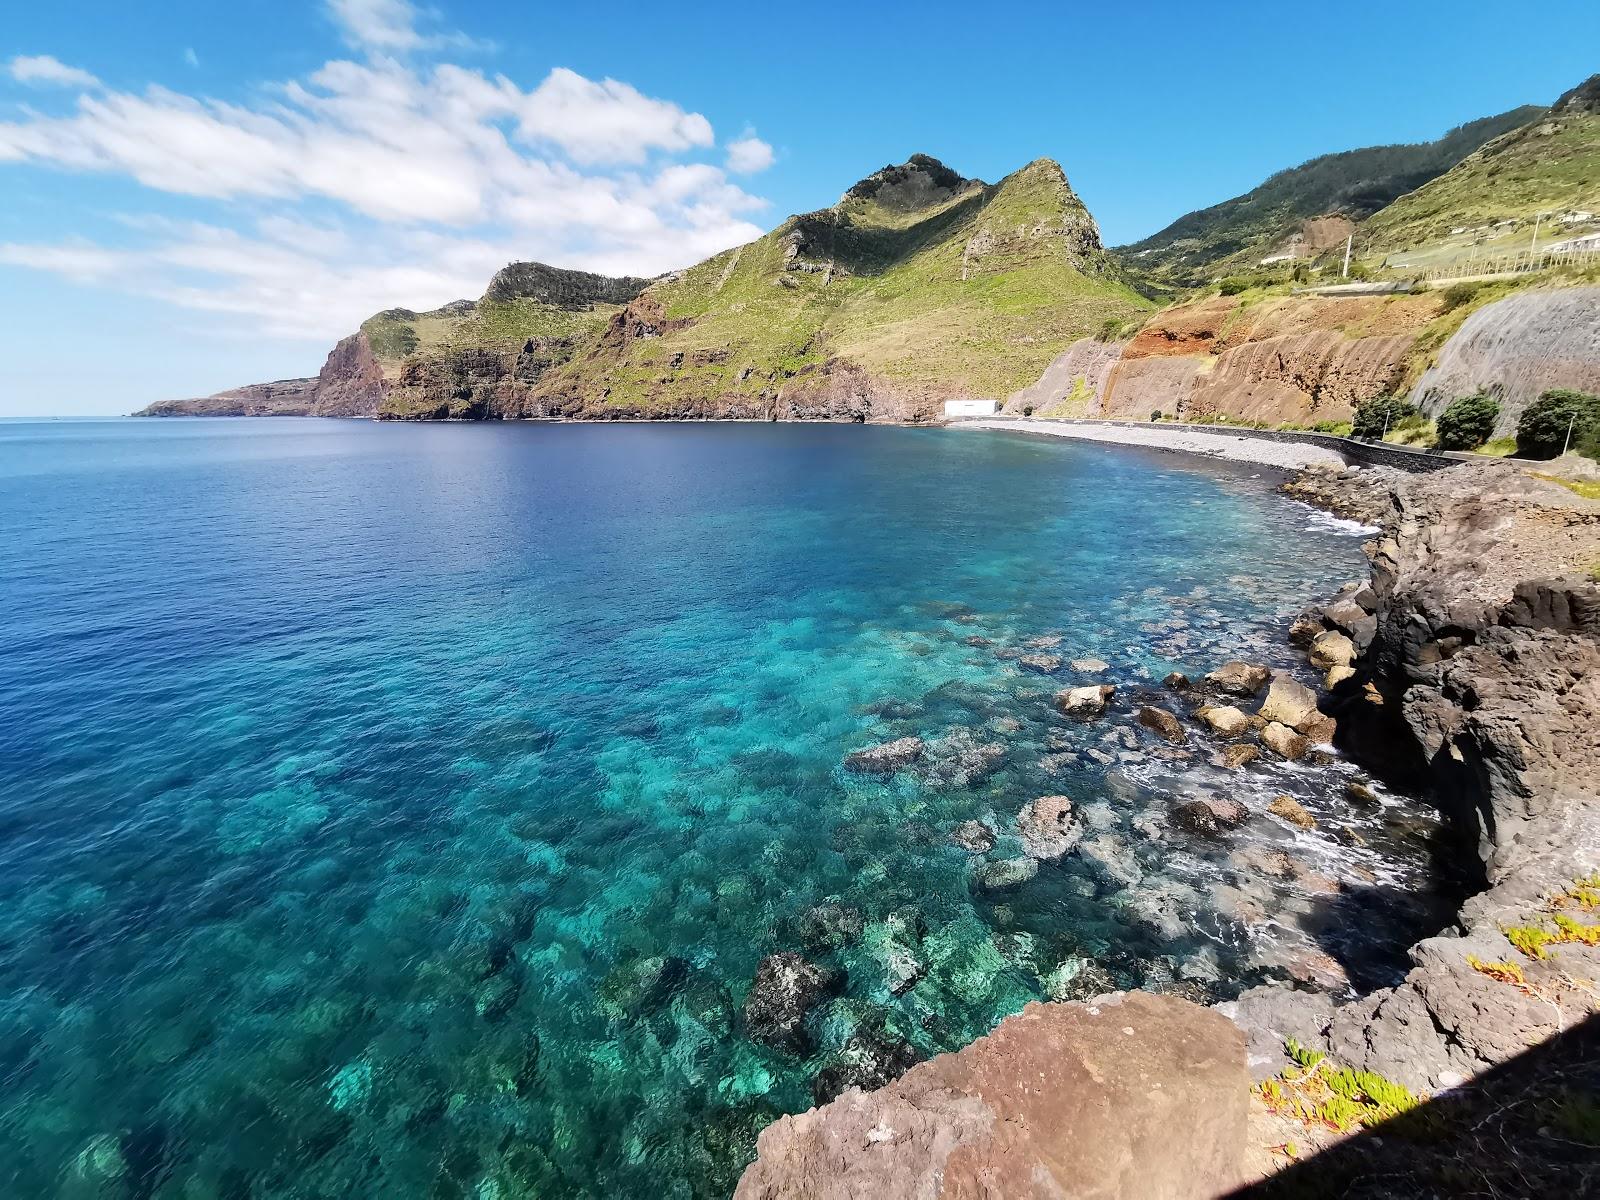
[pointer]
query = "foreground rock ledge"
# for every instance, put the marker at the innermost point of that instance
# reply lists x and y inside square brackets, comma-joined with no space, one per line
[1131,1095]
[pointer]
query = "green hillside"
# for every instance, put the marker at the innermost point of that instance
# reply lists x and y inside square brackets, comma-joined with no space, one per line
[1355,183]
[917,278]
[1549,165]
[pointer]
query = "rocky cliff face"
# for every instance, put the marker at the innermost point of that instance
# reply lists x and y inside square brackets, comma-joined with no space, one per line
[282,398]
[1474,668]
[351,382]
[1292,360]
[1515,349]
[559,287]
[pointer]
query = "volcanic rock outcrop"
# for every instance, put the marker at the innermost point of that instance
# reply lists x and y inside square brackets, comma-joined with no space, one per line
[1124,1096]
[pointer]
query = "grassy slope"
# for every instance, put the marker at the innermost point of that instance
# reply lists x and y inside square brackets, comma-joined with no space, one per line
[1356,183]
[1547,166]
[899,308]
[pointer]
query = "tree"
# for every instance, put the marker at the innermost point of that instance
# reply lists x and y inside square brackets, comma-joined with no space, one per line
[1381,412]
[1543,427]
[1467,423]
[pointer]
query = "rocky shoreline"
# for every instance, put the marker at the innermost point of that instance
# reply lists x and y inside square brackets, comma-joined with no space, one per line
[1467,669]
[1284,455]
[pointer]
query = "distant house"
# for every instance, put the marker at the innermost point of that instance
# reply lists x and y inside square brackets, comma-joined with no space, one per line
[971,408]
[1587,244]
[1575,218]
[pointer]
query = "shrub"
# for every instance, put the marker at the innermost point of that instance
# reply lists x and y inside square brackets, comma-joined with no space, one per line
[1233,285]
[1543,427]
[1373,416]
[1467,423]
[1156,415]
[1457,294]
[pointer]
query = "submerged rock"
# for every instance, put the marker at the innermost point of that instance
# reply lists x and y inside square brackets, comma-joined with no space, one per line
[1162,723]
[973,836]
[1177,681]
[871,1058]
[634,988]
[1090,666]
[1083,702]
[1048,828]
[959,759]
[830,926]
[1237,679]
[1041,664]
[887,758]
[786,987]
[1005,874]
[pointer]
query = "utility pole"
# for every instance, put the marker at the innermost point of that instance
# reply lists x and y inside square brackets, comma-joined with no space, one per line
[1567,445]
[1348,242]
[1533,247]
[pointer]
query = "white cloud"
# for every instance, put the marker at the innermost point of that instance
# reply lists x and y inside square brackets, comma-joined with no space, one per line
[748,155]
[606,121]
[46,71]
[379,183]
[190,57]
[390,27]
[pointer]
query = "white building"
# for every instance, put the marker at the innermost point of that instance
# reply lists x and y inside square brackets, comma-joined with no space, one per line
[971,408]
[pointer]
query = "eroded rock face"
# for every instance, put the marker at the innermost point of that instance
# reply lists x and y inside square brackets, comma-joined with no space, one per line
[1134,1095]
[1515,349]
[1481,685]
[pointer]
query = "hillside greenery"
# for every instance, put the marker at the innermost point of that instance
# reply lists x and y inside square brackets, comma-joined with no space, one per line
[929,281]
[1355,183]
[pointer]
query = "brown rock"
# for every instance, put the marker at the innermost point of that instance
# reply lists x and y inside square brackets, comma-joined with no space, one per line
[1361,794]
[1332,649]
[1082,702]
[1238,678]
[1211,815]
[1136,1096]
[1177,682]
[1292,811]
[1224,719]
[1163,723]
[1290,703]
[1237,754]
[1282,740]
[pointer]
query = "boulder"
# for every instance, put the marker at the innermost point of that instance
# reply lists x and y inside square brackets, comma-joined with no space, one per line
[1225,720]
[1048,828]
[1292,811]
[1211,815]
[786,987]
[1090,666]
[886,758]
[871,1058]
[1083,702]
[1237,679]
[1332,649]
[1177,682]
[1289,702]
[1283,741]
[1040,664]
[1359,624]
[1237,754]
[1132,1096]
[1162,723]
[973,836]
[1303,630]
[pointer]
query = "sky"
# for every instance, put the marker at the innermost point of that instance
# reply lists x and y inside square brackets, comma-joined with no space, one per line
[195,196]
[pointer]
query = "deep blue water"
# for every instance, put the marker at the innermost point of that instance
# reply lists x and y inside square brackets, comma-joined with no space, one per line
[403,811]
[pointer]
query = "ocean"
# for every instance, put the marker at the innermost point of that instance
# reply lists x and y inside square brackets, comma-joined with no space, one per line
[405,810]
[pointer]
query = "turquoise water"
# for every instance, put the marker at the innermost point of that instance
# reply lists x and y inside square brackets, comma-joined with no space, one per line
[403,811]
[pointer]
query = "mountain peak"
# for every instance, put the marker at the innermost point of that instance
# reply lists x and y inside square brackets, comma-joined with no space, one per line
[1583,100]
[560,287]
[916,183]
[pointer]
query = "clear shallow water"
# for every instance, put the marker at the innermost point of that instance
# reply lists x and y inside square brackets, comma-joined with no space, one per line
[405,810]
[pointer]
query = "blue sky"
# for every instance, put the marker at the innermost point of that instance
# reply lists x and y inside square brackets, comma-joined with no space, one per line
[198,197]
